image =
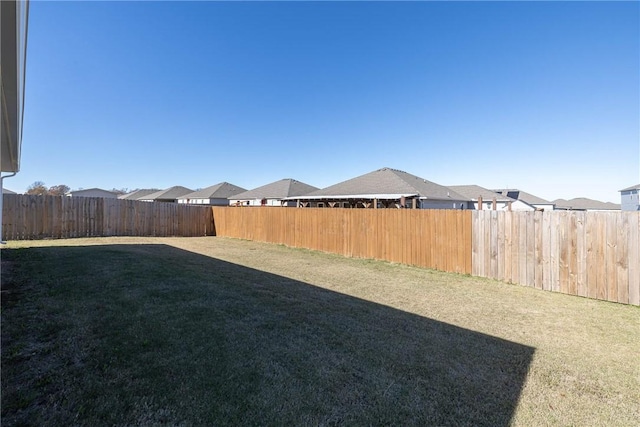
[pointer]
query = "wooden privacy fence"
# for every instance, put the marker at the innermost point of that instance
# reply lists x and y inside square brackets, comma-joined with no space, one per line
[590,254]
[439,239]
[39,217]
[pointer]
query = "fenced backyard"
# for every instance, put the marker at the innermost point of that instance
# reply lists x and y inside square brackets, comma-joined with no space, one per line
[589,254]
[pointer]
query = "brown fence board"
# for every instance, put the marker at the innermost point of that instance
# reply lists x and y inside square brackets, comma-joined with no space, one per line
[426,238]
[47,217]
[591,254]
[634,255]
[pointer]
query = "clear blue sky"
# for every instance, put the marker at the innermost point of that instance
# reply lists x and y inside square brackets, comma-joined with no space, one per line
[541,96]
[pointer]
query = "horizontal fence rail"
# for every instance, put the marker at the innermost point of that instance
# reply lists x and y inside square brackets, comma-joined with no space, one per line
[439,239]
[27,217]
[589,254]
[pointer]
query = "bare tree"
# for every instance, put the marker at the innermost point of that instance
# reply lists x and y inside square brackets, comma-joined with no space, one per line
[58,190]
[37,188]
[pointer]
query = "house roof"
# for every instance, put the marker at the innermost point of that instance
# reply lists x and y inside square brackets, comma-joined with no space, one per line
[472,192]
[635,187]
[169,194]
[387,181]
[135,195]
[582,203]
[277,190]
[521,195]
[87,190]
[7,191]
[223,190]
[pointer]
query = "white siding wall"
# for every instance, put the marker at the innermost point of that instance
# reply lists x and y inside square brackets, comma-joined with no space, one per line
[630,200]
[258,202]
[442,204]
[211,202]
[516,205]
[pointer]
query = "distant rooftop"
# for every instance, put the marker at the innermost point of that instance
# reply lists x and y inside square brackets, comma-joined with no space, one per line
[635,187]
[582,203]
[135,195]
[391,182]
[514,193]
[276,190]
[472,192]
[223,190]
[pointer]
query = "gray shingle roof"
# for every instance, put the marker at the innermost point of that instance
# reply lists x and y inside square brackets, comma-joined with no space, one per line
[634,187]
[389,181]
[521,195]
[169,194]
[277,190]
[87,190]
[582,203]
[223,190]
[472,192]
[7,191]
[135,195]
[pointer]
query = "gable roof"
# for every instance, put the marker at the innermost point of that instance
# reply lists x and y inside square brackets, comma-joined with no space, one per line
[583,203]
[87,190]
[524,196]
[7,191]
[388,182]
[277,190]
[223,190]
[472,192]
[135,195]
[169,194]
[634,187]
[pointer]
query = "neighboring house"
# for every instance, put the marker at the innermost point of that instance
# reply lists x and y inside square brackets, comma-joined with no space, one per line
[503,203]
[6,191]
[216,195]
[530,199]
[584,204]
[137,194]
[630,198]
[278,193]
[385,188]
[93,192]
[170,195]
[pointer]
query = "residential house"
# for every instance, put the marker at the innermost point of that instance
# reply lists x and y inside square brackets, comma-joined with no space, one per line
[584,204]
[7,191]
[93,192]
[278,193]
[630,198]
[385,188]
[170,195]
[137,194]
[484,199]
[535,201]
[216,195]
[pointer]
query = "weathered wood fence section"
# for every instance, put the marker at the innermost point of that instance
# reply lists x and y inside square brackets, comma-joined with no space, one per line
[439,239]
[590,254]
[41,217]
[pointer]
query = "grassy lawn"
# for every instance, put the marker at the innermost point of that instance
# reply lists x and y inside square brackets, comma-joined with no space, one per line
[213,331]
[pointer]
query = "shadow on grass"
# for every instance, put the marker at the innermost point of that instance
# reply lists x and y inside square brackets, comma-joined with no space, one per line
[155,335]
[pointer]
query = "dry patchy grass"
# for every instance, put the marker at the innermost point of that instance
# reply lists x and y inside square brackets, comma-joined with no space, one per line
[193,331]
